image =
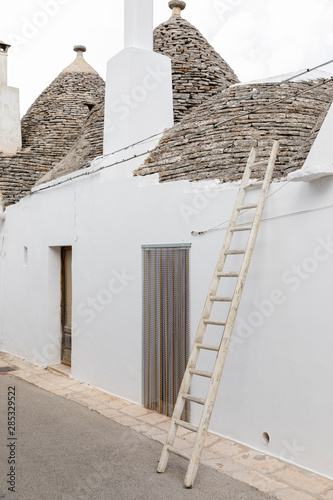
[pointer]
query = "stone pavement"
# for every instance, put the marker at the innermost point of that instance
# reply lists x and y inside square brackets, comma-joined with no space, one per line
[269,475]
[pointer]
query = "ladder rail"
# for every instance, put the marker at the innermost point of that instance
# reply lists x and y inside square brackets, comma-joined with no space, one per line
[193,358]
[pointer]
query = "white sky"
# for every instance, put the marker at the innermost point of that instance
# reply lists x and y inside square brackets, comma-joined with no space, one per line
[258,38]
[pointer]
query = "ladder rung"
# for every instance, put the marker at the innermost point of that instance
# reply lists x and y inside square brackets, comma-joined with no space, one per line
[216,298]
[187,426]
[241,228]
[247,207]
[179,453]
[194,399]
[254,185]
[214,322]
[234,252]
[208,347]
[201,373]
[259,163]
[228,275]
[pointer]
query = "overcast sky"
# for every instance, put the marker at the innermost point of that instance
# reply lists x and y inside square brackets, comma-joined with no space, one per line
[258,38]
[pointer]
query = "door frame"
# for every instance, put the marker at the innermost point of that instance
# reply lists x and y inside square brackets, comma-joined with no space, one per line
[64,329]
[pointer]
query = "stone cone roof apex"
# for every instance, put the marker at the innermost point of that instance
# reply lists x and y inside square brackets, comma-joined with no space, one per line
[79,65]
[177,6]
[198,70]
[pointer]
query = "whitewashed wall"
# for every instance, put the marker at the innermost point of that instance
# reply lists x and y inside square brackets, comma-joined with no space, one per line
[279,372]
[1,282]
[10,124]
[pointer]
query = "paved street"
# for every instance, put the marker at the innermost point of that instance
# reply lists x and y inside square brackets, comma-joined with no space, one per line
[65,451]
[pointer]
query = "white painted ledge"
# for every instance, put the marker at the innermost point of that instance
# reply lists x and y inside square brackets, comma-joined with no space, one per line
[311,173]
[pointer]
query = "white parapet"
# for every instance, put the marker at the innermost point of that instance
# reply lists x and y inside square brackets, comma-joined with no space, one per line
[319,162]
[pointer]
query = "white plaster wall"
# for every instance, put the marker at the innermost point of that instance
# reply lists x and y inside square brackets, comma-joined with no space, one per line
[319,160]
[26,298]
[321,151]
[1,280]
[139,22]
[139,100]
[10,124]
[278,374]
[3,68]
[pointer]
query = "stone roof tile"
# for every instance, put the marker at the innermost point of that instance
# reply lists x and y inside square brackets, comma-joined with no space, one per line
[198,71]
[87,147]
[50,128]
[235,120]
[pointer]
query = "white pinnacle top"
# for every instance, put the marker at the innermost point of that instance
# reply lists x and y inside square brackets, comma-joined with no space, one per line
[139,23]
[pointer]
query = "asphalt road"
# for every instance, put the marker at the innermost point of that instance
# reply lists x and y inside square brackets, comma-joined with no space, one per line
[64,451]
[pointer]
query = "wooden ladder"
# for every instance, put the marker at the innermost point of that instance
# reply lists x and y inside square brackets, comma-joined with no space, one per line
[212,297]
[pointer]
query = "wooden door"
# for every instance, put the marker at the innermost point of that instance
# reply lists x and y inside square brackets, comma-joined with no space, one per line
[66,305]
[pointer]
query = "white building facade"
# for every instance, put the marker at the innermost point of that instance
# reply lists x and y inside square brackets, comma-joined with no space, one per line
[275,394]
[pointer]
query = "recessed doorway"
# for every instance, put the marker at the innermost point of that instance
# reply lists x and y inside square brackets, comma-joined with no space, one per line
[66,305]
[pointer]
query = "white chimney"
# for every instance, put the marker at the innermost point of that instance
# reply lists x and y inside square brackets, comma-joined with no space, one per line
[3,63]
[139,24]
[138,100]
[10,123]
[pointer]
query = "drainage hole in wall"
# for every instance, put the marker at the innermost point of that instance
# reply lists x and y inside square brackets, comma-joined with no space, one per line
[266,437]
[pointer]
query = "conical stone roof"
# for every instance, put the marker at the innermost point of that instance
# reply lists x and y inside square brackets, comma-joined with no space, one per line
[231,120]
[86,148]
[198,71]
[51,127]
[214,141]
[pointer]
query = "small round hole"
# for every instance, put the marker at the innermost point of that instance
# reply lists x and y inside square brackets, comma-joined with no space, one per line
[266,437]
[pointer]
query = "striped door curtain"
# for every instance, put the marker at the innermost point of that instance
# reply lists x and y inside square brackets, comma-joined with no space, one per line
[165,325]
